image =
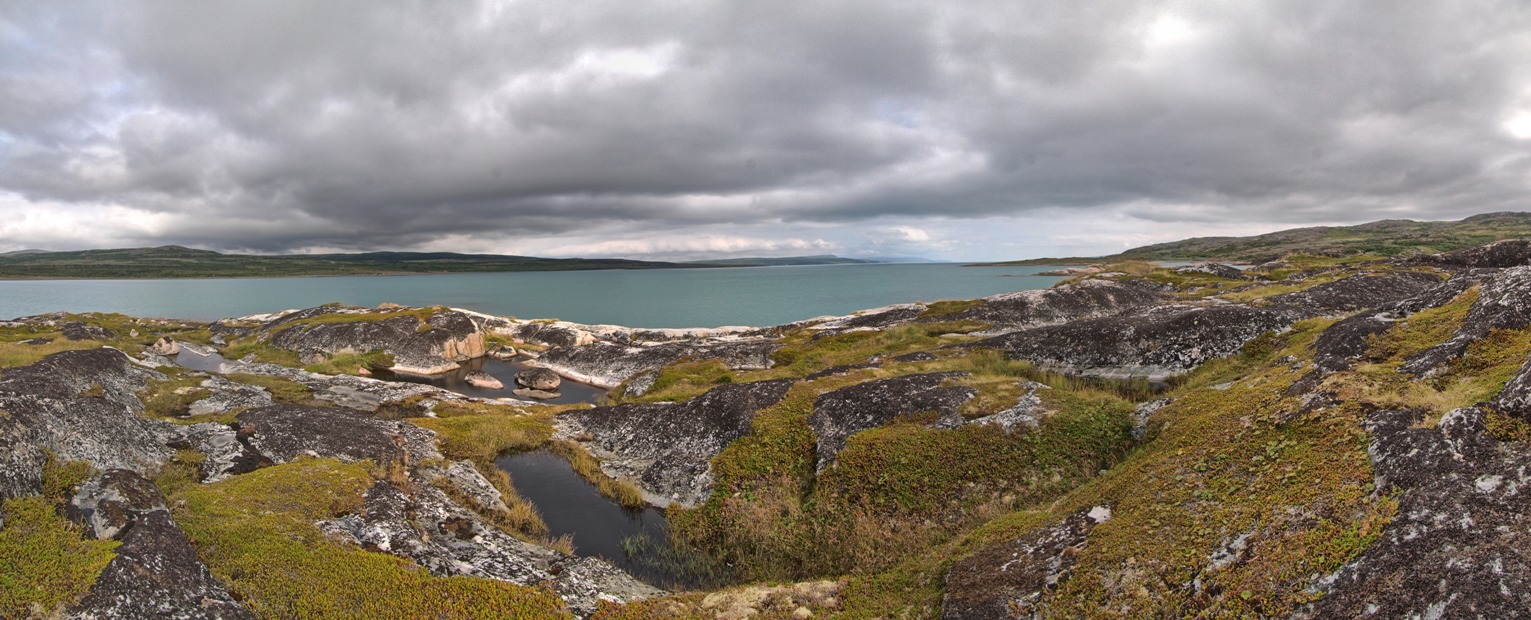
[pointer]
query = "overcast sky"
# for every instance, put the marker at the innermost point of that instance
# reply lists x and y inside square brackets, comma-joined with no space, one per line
[678,129]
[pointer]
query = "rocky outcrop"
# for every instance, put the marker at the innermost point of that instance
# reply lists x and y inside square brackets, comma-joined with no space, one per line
[1152,343]
[1496,255]
[838,414]
[607,364]
[282,433]
[667,448]
[483,381]
[446,539]
[81,406]
[424,347]
[1515,399]
[1457,547]
[1214,269]
[156,573]
[1503,303]
[552,335]
[76,330]
[1008,580]
[1085,299]
[538,379]
[1357,292]
[1344,342]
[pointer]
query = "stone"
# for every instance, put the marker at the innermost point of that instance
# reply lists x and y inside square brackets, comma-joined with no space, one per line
[838,414]
[503,352]
[667,448]
[165,346]
[483,381]
[434,345]
[607,364]
[535,394]
[1215,269]
[1009,580]
[539,379]
[1357,292]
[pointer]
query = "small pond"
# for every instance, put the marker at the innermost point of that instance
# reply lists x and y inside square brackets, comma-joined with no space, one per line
[637,541]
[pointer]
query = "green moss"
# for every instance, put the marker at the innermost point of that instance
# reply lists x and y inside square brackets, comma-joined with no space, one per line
[481,438]
[1507,429]
[61,479]
[263,352]
[686,379]
[172,398]
[46,562]
[947,308]
[183,470]
[256,534]
[351,363]
[623,493]
[1421,330]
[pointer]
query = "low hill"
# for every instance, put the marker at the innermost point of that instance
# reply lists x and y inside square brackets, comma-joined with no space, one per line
[179,262]
[825,259]
[1381,238]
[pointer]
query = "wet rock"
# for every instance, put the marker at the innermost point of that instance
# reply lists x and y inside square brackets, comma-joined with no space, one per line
[483,381]
[1456,548]
[838,414]
[1503,303]
[1008,580]
[607,365]
[503,353]
[1215,269]
[534,394]
[156,573]
[539,379]
[282,433]
[667,448]
[447,539]
[1153,343]
[1357,292]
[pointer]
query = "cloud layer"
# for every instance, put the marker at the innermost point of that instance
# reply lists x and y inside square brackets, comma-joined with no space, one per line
[958,130]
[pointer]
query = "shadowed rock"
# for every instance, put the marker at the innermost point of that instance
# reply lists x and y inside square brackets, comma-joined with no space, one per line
[849,410]
[1153,343]
[1496,255]
[667,447]
[1503,303]
[282,433]
[156,573]
[1515,399]
[1008,580]
[1457,547]
[1357,292]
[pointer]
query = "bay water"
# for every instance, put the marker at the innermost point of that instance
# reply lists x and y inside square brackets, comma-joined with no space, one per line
[752,296]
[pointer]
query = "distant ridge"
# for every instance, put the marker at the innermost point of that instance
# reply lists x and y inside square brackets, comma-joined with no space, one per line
[822,259]
[173,261]
[1380,238]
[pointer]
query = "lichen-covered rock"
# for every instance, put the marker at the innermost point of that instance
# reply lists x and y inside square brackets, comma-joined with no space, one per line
[1498,255]
[539,379]
[156,573]
[607,364]
[282,433]
[838,414]
[1215,269]
[1007,580]
[81,406]
[228,396]
[1457,547]
[432,346]
[1347,340]
[447,539]
[1503,303]
[552,335]
[483,381]
[76,330]
[1357,292]
[1153,343]
[1081,300]
[1515,399]
[667,448]
[1028,411]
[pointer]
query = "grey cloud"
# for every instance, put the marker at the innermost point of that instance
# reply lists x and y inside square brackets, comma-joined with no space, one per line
[363,125]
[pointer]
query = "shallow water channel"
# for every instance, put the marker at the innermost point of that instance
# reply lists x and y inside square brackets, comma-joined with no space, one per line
[637,541]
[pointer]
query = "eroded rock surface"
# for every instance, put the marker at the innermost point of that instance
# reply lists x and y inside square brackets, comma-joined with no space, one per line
[607,364]
[156,573]
[1515,399]
[1503,303]
[667,447]
[1497,255]
[838,414]
[1357,292]
[1153,343]
[1215,269]
[282,433]
[1458,546]
[432,346]
[1008,580]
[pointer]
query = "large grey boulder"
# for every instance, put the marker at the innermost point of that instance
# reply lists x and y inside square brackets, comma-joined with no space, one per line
[1009,580]
[433,346]
[667,448]
[838,414]
[1504,302]
[1357,292]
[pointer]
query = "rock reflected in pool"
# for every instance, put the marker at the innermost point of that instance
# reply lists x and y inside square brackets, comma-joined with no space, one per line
[505,372]
[638,541]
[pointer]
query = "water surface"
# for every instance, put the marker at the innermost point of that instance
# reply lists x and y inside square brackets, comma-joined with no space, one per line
[756,296]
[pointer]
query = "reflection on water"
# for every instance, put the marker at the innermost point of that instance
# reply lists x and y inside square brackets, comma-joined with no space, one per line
[636,541]
[505,371]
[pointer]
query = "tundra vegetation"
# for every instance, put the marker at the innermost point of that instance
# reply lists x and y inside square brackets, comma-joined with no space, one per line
[1241,486]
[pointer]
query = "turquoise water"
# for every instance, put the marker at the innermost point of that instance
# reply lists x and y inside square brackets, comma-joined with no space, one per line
[754,296]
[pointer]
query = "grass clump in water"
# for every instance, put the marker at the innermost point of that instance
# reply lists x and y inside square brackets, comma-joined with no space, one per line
[621,492]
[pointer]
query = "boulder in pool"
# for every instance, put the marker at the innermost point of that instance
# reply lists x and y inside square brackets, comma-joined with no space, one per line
[537,394]
[539,379]
[483,381]
[503,352]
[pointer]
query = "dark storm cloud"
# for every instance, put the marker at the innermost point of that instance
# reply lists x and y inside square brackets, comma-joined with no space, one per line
[356,125]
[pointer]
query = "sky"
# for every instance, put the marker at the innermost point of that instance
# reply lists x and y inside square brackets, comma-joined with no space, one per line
[677,129]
